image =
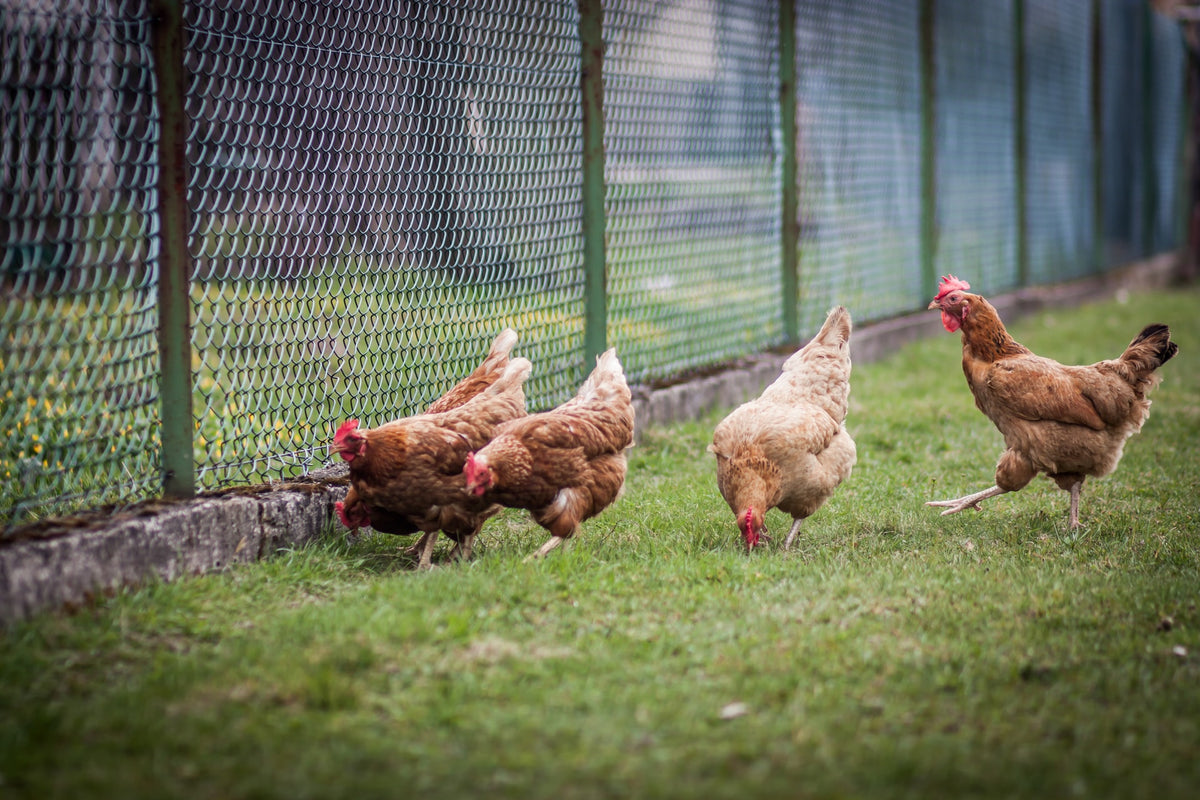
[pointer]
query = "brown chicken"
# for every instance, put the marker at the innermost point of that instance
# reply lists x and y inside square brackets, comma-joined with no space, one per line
[1066,421]
[408,473]
[789,448]
[565,465]
[354,514]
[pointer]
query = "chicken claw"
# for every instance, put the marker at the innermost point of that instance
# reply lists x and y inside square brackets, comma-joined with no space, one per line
[963,503]
[551,543]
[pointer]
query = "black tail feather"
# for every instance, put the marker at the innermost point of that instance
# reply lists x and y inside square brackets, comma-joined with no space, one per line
[1157,345]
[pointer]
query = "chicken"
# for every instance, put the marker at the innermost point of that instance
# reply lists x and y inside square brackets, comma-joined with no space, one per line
[408,473]
[565,465]
[1066,421]
[789,449]
[353,514]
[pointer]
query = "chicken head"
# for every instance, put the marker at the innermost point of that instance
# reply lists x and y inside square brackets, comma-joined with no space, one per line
[951,301]
[355,517]
[753,528]
[479,474]
[348,442]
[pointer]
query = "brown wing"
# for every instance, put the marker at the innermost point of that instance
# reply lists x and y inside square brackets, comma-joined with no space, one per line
[1036,388]
[593,434]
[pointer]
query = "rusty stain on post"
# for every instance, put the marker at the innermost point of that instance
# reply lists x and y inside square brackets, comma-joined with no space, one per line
[174,259]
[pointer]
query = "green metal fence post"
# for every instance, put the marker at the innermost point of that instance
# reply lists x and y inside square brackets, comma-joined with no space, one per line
[1149,134]
[789,230]
[591,80]
[1097,100]
[1185,156]
[1021,134]
[174,260]
[928,233]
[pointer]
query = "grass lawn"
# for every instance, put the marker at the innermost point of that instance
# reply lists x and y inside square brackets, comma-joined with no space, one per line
[891,653]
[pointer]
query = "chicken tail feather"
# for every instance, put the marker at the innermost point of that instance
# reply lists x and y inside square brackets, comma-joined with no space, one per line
[1150,349]
[836,330]
[503,345]
[514,375]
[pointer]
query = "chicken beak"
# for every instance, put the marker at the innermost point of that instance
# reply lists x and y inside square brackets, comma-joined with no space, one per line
[932,305]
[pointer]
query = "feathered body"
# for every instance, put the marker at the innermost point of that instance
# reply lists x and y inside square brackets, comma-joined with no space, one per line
[406,475]
[789,448]
[565,465]
[1066,421]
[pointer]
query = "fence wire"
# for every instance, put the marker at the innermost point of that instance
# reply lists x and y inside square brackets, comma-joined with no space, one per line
[976,146]
[693,182]
[1060,193]
[375,195]
[375,191]
[79,352]
[858,121]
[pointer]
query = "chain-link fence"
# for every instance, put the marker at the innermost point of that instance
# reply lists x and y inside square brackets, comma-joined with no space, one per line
[370,194]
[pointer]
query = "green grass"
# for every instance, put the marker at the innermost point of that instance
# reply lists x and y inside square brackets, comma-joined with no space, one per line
[892,653]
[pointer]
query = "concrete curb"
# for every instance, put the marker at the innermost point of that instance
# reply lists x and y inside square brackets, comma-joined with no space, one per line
[98,552]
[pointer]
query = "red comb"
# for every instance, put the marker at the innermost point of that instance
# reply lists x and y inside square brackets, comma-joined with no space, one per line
[347,427]
[951,284]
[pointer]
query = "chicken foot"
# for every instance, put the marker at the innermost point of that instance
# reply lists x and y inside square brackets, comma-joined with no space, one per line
[551,543]
[970,501]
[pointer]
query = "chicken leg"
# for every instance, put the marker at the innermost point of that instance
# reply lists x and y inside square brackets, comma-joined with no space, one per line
[1076,487]
[787,543]
[970,501]
[424,550]
[418,547]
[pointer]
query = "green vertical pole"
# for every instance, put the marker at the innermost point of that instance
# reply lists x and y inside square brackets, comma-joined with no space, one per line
[174,336]
[1149,131]
[789,229]
[1097,98]
[1020,131]
[1184,158]
[591,80]
[928,233]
